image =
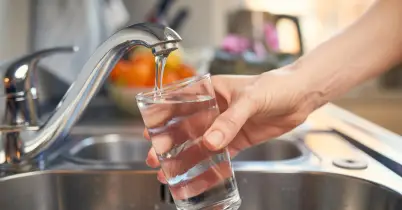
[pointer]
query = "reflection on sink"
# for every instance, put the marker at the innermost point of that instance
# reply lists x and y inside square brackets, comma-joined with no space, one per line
[110,149]
[130,190]
[272,150]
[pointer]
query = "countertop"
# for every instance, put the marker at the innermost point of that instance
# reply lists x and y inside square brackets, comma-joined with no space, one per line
[375,103]
[372,136]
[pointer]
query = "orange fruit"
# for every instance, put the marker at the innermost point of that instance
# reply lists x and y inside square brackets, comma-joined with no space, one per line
[133,74]
[143,58]
[114,74]
[170,77]
[140,75]
[141,53]
[185,71]
[173,60]
[119,69]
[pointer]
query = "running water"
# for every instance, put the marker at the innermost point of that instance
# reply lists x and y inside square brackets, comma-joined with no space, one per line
[160,62]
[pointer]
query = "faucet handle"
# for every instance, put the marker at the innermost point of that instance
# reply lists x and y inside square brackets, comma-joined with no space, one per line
[19,82]
[19,74]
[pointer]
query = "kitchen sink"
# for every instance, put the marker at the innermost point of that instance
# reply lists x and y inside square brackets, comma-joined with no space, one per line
[126,149]
[109,149]
[130,190]
[273,150]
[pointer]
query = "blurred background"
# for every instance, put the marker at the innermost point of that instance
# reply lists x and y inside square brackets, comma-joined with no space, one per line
[220,37]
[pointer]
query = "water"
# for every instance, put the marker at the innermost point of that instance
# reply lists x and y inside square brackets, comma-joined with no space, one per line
[160,62]
[197,177]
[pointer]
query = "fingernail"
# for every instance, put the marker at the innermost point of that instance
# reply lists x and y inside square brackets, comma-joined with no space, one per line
[147,161]
[161,178]
[150,162]
[215,138]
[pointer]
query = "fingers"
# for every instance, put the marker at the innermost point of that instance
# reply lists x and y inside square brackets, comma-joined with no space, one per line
[187,159]
[201,183]
[146,134]
[161,177]
[227,125]
[208,179]
[233,151]
[152,159]
[155,115]
[191,128]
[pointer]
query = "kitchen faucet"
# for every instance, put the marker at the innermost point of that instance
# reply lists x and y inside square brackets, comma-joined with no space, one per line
[25,143]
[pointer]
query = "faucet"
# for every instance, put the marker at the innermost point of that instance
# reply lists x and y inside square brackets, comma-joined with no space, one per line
[25,143]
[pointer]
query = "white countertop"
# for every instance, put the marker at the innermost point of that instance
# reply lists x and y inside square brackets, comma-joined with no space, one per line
[371,135]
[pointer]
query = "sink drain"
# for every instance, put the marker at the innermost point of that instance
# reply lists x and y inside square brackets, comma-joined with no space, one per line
[350,164]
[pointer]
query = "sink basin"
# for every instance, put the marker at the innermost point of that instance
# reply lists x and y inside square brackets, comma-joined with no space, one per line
[130,190]
[109,149]
[272,150]
[126,149]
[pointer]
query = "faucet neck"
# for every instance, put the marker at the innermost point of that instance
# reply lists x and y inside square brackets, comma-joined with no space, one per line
[52,133]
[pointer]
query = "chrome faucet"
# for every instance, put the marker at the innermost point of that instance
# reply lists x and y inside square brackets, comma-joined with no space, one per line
[20,94]
[27,143]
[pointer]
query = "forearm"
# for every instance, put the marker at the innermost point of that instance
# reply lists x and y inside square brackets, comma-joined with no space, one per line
[365,49]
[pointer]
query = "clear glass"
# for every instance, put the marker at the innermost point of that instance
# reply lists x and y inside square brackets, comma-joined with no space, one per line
[176,117]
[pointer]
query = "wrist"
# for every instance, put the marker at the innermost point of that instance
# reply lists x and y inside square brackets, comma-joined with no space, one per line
[312,86]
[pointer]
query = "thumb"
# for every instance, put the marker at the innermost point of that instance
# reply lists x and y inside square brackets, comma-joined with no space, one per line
[228,124]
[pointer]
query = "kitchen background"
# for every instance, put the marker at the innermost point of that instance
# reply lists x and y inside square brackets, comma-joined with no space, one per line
[212,32]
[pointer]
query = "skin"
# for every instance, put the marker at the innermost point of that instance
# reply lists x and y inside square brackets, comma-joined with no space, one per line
[257,108]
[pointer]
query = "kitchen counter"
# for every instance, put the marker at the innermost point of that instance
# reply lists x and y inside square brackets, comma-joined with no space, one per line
[373,138]
[374,103]
[383,112]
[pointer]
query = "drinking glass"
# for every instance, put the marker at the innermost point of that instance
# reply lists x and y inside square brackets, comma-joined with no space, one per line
[176,117]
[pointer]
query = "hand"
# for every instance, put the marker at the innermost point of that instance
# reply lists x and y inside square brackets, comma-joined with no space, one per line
[255,109]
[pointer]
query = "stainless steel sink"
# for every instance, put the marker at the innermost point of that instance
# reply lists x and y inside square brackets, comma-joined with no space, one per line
[99,170]
[130,190]
[273,150]
[109,149]
[133,148]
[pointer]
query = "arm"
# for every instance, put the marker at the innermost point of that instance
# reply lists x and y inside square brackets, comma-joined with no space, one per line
[257,108]
[370,46]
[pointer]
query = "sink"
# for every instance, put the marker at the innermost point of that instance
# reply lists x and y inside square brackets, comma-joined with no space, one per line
[109,149]
[130,190]
[273,150]
[126,149]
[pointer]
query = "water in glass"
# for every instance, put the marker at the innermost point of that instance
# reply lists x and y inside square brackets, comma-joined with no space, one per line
[176,119]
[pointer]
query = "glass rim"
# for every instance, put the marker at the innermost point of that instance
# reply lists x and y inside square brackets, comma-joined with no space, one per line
[173,86]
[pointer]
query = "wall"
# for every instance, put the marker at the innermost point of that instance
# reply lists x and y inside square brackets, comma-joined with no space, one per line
[14,24]
[206,25]
[332,15]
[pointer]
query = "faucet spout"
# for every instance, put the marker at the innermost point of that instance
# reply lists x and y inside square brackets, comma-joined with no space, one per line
[33,145]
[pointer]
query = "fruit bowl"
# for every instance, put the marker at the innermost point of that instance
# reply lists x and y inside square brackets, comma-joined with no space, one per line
[124,98]
[136,74]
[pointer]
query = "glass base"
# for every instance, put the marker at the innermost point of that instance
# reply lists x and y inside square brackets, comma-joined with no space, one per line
[231,203]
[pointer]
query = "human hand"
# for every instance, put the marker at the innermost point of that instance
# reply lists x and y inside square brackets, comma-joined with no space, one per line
[254,109]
